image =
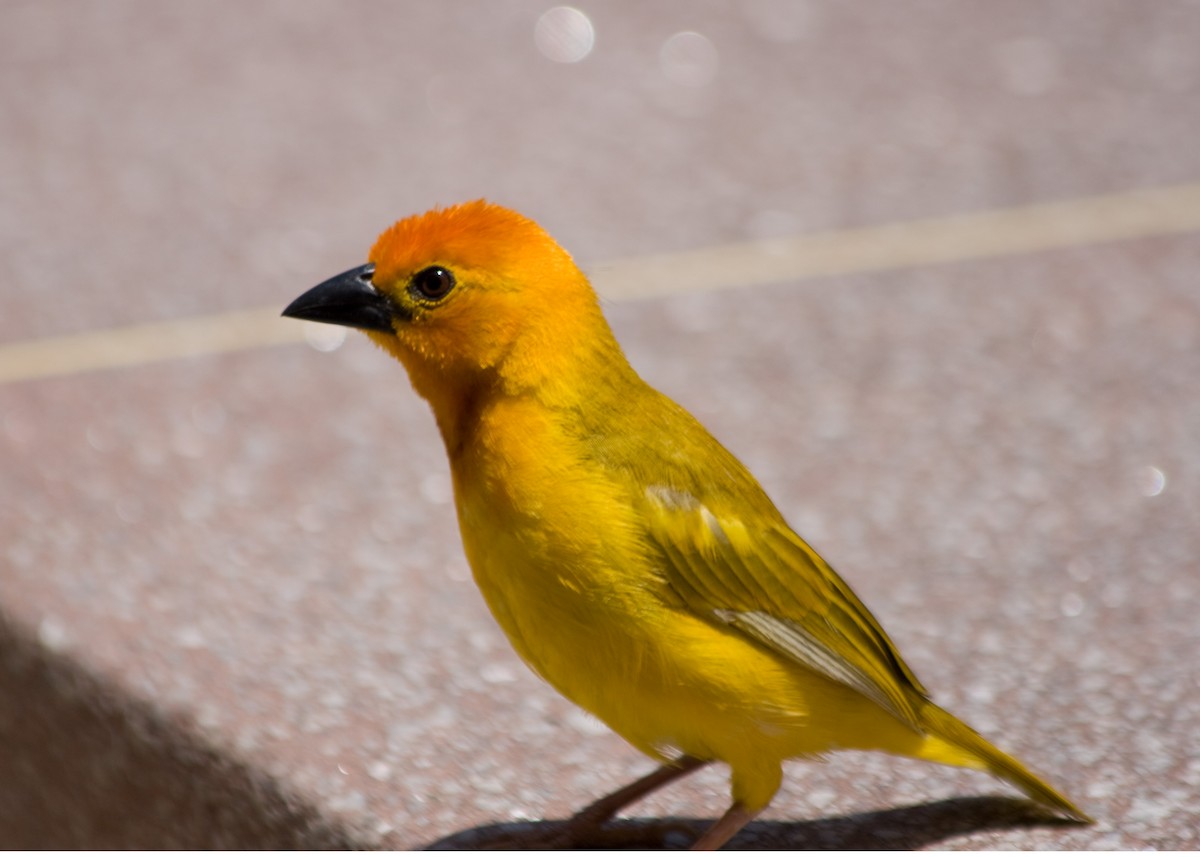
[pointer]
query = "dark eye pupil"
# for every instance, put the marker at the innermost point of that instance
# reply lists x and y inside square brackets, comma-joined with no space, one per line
[433,282]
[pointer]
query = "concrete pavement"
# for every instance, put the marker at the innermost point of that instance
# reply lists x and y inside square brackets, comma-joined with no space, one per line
[233,606]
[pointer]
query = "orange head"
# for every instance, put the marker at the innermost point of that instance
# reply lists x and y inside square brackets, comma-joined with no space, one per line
[470,297]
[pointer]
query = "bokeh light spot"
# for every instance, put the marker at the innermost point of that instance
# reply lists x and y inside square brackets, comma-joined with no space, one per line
[1071,605]
[564,34]
[324,337]
[1151,481]
[688,59]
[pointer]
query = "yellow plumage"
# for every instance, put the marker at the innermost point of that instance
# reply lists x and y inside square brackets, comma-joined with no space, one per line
[633,562]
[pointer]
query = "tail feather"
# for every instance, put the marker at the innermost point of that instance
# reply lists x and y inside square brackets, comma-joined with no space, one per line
[961,745]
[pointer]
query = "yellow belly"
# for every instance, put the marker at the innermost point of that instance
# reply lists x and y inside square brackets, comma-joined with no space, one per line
[562,564]
[667,681]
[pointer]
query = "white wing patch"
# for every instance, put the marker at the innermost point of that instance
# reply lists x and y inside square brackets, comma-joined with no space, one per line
[714,561]
[791,639]
[671,499]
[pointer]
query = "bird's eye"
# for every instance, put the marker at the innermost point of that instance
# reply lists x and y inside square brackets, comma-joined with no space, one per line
[432,283]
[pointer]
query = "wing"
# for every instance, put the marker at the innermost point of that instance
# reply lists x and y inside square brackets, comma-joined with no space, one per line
[762,579]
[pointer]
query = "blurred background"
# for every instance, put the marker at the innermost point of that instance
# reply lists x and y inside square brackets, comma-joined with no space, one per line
[233,606]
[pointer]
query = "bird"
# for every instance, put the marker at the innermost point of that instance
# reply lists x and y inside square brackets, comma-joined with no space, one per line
[632,561]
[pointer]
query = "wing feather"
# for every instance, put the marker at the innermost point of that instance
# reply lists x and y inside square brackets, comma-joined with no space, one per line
[769,584]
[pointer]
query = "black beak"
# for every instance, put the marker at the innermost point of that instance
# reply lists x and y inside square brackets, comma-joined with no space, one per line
[347,299]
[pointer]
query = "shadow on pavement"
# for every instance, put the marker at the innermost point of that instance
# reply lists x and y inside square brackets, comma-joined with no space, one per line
[905,828]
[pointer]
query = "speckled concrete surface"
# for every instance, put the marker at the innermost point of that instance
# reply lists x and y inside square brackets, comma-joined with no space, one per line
[233,606]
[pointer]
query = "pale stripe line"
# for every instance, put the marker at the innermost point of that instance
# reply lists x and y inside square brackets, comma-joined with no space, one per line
[146,343]
[908,244]
[916,243]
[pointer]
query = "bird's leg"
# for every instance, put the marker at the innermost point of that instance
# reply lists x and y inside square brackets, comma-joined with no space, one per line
[584,826]
[606,807]
[724,828]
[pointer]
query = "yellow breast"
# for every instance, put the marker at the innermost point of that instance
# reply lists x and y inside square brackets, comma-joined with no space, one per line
[556,552]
